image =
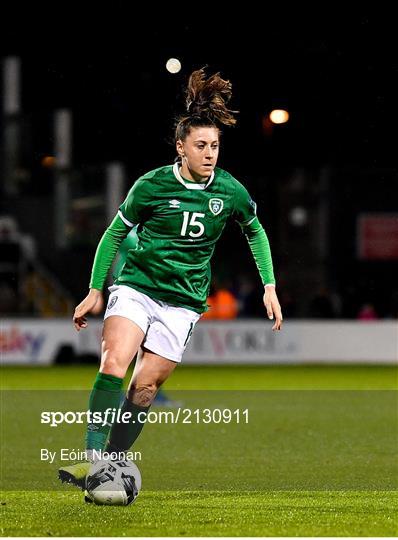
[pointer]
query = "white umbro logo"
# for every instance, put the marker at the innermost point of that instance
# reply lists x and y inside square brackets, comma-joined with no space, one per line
[174,203]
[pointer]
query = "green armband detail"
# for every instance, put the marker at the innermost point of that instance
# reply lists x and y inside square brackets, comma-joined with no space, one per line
[106,251]
[261,250]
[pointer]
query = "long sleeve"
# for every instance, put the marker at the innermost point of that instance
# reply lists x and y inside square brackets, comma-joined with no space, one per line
[260,249]
[106,251]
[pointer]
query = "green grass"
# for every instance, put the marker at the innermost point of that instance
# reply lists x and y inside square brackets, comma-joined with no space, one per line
[242,377]
[204,514]
[318,458]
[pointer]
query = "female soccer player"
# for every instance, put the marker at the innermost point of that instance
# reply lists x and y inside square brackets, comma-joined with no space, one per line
[179,212]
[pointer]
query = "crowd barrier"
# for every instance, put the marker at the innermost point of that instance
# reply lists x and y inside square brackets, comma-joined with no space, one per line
[34,341]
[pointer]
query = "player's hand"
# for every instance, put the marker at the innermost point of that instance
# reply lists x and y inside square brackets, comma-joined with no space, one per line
[99,306]
[89,304]
[273,307]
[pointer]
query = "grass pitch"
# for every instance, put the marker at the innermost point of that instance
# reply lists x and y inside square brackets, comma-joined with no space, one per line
[197,510]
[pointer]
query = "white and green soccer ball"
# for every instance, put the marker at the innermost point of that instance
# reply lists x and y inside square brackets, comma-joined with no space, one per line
[113,483]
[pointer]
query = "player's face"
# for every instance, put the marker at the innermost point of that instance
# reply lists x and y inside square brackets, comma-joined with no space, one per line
[199,152]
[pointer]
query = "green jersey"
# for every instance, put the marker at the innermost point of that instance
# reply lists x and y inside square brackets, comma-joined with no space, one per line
[177,224]
[130,242]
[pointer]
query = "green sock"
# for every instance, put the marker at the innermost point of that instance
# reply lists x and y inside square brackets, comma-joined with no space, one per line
[105,395]
[124,435]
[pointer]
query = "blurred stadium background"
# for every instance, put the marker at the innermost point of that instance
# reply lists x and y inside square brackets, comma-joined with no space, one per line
[81,121]
[87,108]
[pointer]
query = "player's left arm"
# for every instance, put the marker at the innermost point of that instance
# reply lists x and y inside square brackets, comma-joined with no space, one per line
[260,248]
[245,215]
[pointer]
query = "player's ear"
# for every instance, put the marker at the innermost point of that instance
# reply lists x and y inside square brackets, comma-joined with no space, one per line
[180,148]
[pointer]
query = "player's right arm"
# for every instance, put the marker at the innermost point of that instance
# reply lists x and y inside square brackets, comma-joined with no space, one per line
[106,251]
[130,213]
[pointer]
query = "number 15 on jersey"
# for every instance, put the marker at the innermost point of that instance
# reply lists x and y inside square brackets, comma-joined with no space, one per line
[192,219]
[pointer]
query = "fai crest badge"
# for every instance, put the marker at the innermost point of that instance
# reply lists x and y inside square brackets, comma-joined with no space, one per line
[216,205]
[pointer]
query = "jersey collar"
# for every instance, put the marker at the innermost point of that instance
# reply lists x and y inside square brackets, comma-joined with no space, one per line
[190,185]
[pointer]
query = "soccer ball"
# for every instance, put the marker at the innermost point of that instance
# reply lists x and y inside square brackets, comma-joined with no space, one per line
[115,483]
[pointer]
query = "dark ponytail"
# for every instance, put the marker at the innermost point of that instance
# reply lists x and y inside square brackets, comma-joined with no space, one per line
[206,100]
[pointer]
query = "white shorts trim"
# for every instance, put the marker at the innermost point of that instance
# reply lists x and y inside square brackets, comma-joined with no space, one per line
[167,328]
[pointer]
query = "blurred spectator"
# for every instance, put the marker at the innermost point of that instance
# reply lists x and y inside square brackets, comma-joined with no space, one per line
[367,312]
[321,305]
[288,304]
[222,303]
[250,297]
[80,232]
[8,299]
[8,229]
[351,301]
